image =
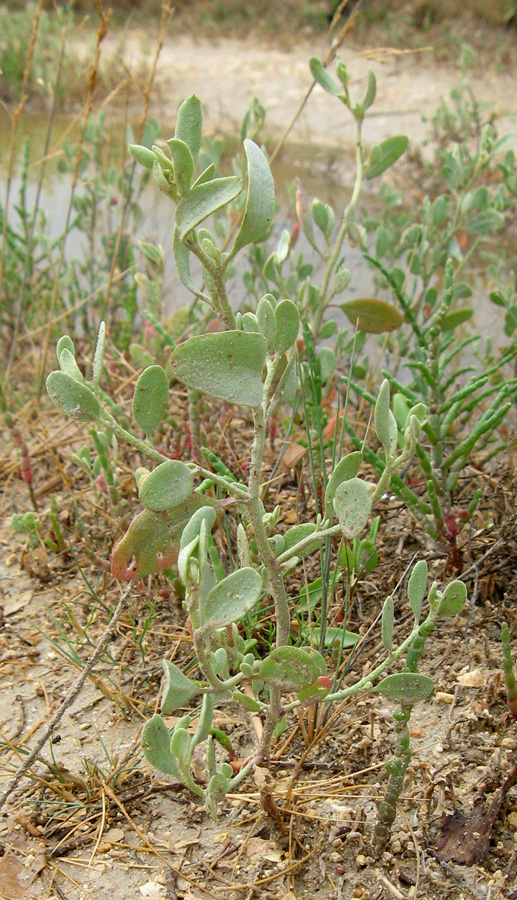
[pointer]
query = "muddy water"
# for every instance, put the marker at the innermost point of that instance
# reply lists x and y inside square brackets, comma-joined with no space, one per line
[322,173]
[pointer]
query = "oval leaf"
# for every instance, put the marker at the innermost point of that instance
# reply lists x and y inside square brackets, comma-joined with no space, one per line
[292,668]
[227,365]
[416,587]
[156,744]
[346,468]
[287,319]
[189,125]
[353,504]
[166,486]
[150,399]
[183,164]
[203,200]
[230,599]
[72,398]
[152,541]
[260,202]
[178,690]
[453,599]
[388,619]
[406,687]
[324,79]
[372,315]
[383,155]
[453,319]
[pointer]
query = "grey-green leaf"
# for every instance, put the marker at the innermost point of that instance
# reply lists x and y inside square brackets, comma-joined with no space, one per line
[267,320]
[385,422]
[324,79]
[150,399]
[68,364]
[189,125]
[178,690]
[292,668]
[156,744]
[353,504]
[287,320]
[184,166]
[231,598]
[388,618]
[383,155]
[98,358]
[453,599]
[65,341]
[260,202]
[73,398]
[182,259]
[166,486]
[406,687]
[416,587]
[227,365]
[203,200]
[346,468]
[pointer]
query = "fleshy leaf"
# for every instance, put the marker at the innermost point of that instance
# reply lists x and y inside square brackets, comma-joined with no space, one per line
[227,365]
[406,687]
[68,365]
[150,399]
[385,422]
[203,200]
[98,358]
[266,319]
[166,486]
[183,164]
[383,155]
[335,635]
[182,260]
[189,125]
[72,398]
[346,468]
[152,541]
[453,599]
[298,533]
[324,79]
[231,598]
[65,341]
[287,320]
[292,668]
[156,744]
[453,319]
[416,587]
[192,529]
[178,690]
[260,202]
[353,504]
[371,315]
[388,618]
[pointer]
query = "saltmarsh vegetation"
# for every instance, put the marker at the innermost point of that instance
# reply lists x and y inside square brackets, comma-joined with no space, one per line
[280,354]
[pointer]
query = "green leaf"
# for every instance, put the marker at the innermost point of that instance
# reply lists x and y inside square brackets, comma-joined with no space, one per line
[385,422]
[371,91]
[189,125]
[406,687]
[266,319]
[371,315]
[193,528]
[298,533]
[142,155]
[287,320]
[346,468]
[335,635]
[166,486]
[156,744]
[487,222]
[324,79]
[203,200]
[353,504]
[416,587]
[260,202]
[182,259]
[230,599]
[383,155]
[227,365]
[183,162]
[150,399]
[453,599]
[453,319]
[292,668]
[98,358]
[68,365]
[206,175]
[327,363]
[72,398]
[178,690]
[152,541]
[65,342]
[388,619]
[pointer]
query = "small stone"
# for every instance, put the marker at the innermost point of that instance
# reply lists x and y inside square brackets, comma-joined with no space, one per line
[475,678]
[509,743]
[512,819]
[443,697]
[291,517]
[360,860]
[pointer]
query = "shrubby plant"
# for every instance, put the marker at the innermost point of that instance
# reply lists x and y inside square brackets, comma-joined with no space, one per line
[253,364]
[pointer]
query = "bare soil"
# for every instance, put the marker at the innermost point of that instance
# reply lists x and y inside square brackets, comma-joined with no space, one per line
[91,820]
